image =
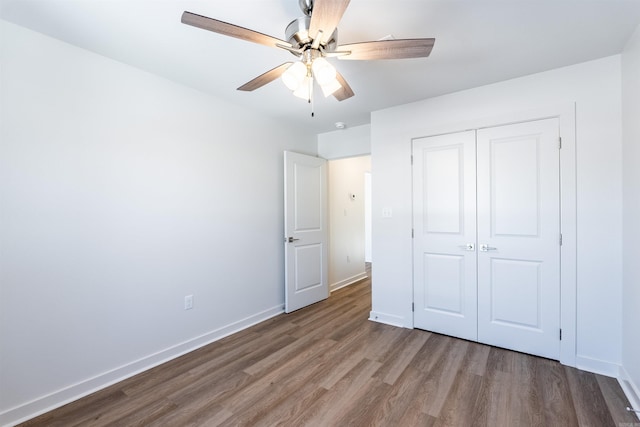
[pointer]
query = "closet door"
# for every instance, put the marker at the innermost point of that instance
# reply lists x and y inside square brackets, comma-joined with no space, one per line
[444,218]
[519,237]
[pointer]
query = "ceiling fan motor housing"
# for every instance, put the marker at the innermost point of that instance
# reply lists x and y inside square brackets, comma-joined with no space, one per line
[297,34]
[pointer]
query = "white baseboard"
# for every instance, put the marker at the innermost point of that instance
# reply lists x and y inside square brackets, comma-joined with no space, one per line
[597,366]
[387,319]
[631,390]
[346,282]
[76,391]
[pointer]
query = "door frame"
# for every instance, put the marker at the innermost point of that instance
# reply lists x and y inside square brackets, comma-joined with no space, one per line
[566,114]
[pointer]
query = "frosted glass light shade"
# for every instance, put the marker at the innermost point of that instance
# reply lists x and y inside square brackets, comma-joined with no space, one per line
[323,71]
[294,75]
[304,89]
[330,87]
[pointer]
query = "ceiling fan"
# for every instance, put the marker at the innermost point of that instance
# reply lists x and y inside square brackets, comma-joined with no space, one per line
[312,38]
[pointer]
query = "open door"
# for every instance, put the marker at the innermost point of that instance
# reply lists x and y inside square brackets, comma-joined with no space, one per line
[305,225]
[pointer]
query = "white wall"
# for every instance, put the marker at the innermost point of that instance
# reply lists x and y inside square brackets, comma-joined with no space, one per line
[347,220]
[595,89]
[631,213]
[348,142]
[120,193]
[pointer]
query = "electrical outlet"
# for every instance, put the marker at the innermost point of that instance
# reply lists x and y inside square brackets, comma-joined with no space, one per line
[188,302]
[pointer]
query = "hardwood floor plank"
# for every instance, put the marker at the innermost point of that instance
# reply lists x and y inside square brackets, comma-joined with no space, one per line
[591,408]
[211,414]
[248,357]
[327,365]
[426,358]
[265,387]
[525,404]
[557,405]
[328,324]
[419,418]
[511,394]
[295,391]
[80,411]
[275,326]
[189,383]
[616,401]
[461,406]
[399,399]
[384,341]
[334,403]
[346,329]
[496,398]
[475,360]
[226,348]
[290,402]
[324,311]
[402,356]
[440,379]
[500,360]
[141,417]
[341,369]
[201,402]
[143,408]
[210,387]
[283,353]
[362,409]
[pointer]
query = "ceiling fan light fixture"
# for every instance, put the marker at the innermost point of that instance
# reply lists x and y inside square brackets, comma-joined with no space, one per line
[305,89]
[323,71]
[294,76]
[310,38]
[329,88]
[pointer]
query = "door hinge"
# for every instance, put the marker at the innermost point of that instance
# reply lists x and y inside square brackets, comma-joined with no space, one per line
[560,143]
[560,334]
[413,306]
[560,239]
[412,233]
[412,159]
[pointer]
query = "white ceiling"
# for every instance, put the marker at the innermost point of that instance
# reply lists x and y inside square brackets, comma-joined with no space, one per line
[477,42]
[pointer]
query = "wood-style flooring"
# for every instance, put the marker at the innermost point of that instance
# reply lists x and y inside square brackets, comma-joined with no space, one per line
[327,365]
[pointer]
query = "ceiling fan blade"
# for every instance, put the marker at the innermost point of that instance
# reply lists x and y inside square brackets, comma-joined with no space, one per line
[231,30]
[265,78]
[325,16]
[345,91]
[388,49]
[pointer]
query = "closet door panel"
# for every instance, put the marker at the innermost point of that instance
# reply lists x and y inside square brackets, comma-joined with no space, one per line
[518,237]
[444,219]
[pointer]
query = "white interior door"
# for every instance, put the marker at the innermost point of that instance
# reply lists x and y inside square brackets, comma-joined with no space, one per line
[487,236]
[519,237]
[305,224]
[444,179]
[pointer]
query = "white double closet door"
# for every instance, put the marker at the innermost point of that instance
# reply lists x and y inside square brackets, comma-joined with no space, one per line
[487,236]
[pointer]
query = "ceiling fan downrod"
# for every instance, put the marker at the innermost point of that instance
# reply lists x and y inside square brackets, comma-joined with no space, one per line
[306,6]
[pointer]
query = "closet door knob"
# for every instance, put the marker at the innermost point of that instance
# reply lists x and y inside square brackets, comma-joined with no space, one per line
[487,248]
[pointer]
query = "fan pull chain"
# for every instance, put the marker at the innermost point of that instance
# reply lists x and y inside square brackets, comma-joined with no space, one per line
[311,97]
